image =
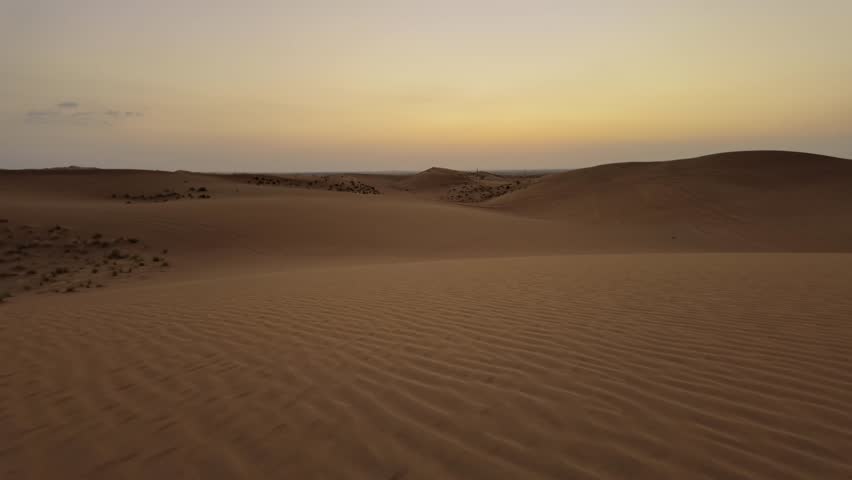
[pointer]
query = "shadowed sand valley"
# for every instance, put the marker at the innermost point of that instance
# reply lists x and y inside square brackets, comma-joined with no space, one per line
[683,319]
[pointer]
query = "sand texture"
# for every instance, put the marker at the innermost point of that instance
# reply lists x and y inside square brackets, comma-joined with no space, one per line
[688,319]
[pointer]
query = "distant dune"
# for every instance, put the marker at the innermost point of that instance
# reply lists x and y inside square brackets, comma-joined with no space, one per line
[459,186]
[742,183]
[435,180]
[754,195]
[682,319]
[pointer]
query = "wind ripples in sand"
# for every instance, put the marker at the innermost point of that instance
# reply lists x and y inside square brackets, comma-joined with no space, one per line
[608,366]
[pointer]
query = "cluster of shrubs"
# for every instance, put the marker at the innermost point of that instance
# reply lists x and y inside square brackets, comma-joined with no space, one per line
[260,180]
[287,182]
[353,186]
[67,262]
[53,275]
[324,181]
[165,196]
[472,192]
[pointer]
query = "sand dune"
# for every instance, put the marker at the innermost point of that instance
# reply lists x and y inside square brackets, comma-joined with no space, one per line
[457,186]
[625,321]
[84,184]
[745,184]
[637,366]
[755,196]
[435,178]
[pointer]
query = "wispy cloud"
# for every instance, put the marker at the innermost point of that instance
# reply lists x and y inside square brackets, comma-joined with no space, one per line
[120,114]
[39,114]
[67,113]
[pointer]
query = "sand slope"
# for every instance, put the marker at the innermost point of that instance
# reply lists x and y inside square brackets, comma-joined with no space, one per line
[771,184]
[753,195]
[457,186]
[636,366]
[435,178]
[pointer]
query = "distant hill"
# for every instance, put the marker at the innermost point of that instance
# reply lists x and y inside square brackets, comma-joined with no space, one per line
[73,167]
[434,178]
[736,186]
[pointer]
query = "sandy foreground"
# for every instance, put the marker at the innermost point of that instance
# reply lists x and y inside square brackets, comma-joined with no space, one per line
[303,332]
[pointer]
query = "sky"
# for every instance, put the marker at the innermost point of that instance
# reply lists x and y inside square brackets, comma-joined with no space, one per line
[330,85]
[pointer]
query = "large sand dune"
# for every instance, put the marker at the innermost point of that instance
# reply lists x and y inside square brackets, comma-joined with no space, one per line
[743,185]
[626,321]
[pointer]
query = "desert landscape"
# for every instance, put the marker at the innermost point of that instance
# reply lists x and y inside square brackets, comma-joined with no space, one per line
[676,319]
